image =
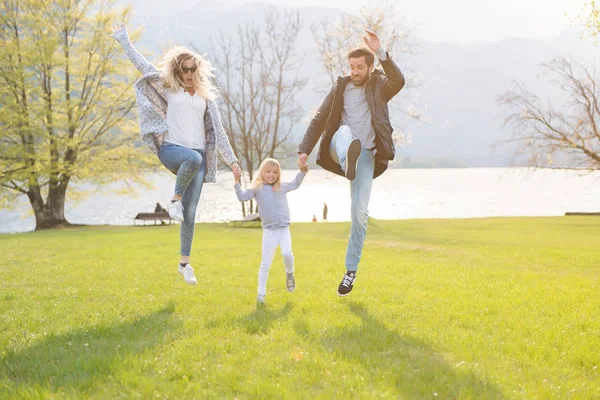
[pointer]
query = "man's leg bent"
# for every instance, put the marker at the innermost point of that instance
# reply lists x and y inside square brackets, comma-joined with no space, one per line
[344,149]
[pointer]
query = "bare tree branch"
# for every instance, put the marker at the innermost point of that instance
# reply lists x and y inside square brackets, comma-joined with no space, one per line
[258,73]
[567,137]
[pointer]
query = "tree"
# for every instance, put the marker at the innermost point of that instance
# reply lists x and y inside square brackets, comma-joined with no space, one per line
[66,103]
[566,135]
[257,71]
[590,18]
[335,40]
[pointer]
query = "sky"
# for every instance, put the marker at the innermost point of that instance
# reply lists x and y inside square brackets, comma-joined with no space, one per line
[465,21]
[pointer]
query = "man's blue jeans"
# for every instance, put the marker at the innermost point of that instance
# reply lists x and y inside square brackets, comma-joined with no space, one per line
[360,192]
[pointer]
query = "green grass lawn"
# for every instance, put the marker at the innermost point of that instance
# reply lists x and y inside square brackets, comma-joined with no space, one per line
[480,308]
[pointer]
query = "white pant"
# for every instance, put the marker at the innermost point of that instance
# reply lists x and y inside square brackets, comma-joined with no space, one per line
[271,239]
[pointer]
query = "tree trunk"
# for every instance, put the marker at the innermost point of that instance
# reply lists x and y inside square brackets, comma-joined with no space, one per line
[51,214]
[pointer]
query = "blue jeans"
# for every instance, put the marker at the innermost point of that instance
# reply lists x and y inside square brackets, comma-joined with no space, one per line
[360,192]
[190,166]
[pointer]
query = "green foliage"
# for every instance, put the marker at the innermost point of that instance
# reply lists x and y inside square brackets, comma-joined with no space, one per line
[67,98]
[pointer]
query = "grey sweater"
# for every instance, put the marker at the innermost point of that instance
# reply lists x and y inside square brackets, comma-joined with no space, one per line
[272,205]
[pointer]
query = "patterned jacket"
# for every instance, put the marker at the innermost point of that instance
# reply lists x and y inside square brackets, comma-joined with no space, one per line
[152,105]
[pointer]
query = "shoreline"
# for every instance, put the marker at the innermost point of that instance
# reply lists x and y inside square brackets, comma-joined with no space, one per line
[319,223]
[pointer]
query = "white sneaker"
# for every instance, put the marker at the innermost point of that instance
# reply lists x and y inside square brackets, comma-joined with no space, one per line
[188,274]
[175,210]
[260,299]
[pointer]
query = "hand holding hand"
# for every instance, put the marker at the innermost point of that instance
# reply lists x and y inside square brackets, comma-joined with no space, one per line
[302,160]
[237,172]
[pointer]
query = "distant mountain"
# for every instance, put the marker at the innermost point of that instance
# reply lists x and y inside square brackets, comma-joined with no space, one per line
[461,83]
[459,86]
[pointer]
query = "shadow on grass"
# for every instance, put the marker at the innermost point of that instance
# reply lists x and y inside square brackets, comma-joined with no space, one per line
[403,364]
[261,319]
[77,361]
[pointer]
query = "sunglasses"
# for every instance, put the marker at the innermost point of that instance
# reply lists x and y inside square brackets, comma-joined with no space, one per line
[186,70]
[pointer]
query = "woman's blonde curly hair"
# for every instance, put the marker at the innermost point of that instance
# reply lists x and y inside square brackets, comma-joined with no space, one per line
[171,64]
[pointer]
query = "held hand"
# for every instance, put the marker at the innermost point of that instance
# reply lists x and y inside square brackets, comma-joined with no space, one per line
[304,169]
[372,40]
[237,172]
[302,160]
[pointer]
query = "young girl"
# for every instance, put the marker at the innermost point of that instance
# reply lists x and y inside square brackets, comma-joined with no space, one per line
[180,123]
[270,195]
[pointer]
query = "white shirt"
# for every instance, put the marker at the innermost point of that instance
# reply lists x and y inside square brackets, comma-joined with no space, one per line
[185,119]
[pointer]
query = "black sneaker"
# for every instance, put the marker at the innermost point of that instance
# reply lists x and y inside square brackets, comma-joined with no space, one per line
[352,155]
[347,283]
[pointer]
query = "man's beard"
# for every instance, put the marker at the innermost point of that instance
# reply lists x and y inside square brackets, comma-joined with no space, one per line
[360,82]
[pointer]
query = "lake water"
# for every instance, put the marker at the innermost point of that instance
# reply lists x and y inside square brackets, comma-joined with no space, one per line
[397,194]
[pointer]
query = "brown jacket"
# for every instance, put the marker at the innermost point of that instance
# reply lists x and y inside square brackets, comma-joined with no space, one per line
[380,89]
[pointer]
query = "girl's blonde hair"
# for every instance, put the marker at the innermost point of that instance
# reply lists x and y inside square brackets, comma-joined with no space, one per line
[170,67]
[268,163]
